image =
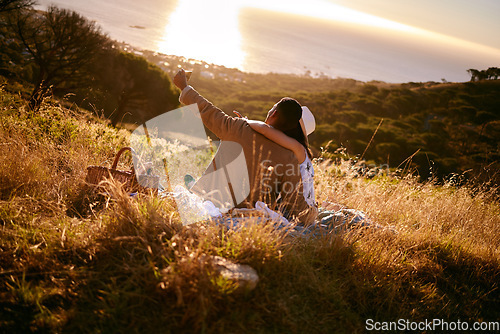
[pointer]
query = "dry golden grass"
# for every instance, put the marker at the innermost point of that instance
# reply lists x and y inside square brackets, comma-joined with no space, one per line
[78,262]
[422,211]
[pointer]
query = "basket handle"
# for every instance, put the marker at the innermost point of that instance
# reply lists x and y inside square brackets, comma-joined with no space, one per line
[115,162]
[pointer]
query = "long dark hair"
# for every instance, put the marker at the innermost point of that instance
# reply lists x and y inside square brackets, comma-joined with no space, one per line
[297,134]
[289,112]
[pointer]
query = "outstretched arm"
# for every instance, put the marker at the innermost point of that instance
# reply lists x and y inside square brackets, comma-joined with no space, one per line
[222,125]
[279,138]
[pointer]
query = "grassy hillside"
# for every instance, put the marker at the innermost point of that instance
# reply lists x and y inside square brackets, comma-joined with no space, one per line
[72,261]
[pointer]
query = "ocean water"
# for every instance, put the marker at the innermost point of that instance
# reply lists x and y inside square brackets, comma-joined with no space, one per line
[139,23]
[339,50]
[275,42]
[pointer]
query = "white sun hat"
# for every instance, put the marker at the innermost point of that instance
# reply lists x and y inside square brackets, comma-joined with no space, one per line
[307,121]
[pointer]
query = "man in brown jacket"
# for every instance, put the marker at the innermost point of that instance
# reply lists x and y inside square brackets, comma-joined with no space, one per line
[273,171]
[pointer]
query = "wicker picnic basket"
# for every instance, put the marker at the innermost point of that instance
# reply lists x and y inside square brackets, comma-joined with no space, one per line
[96,174]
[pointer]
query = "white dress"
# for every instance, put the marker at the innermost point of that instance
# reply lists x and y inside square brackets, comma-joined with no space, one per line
[307,173]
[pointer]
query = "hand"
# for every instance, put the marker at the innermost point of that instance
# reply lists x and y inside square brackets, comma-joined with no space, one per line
[239,115]
[180,79]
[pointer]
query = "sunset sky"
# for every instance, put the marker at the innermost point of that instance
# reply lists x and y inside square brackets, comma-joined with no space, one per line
[409,33]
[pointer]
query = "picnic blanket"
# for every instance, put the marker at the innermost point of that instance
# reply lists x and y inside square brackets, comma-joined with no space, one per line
[328,221]
[193,209]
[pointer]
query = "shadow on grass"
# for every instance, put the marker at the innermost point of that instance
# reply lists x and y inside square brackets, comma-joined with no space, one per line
[153,275]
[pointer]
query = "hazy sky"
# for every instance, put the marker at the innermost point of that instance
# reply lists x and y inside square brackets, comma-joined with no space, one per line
[473,20]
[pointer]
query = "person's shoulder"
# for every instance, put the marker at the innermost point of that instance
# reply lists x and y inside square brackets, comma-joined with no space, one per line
[264,147]
[280,154]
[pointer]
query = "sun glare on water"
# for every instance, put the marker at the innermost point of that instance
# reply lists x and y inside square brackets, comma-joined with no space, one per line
[208,30]
[326,10]
[205,30]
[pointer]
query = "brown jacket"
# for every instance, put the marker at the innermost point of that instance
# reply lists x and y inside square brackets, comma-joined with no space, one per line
[273,170]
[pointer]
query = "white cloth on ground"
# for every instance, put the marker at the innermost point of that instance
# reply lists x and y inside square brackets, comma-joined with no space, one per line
[192,208]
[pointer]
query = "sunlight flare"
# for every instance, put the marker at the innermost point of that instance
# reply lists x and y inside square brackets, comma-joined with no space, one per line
[206,30]
[322,9]
[209,30]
